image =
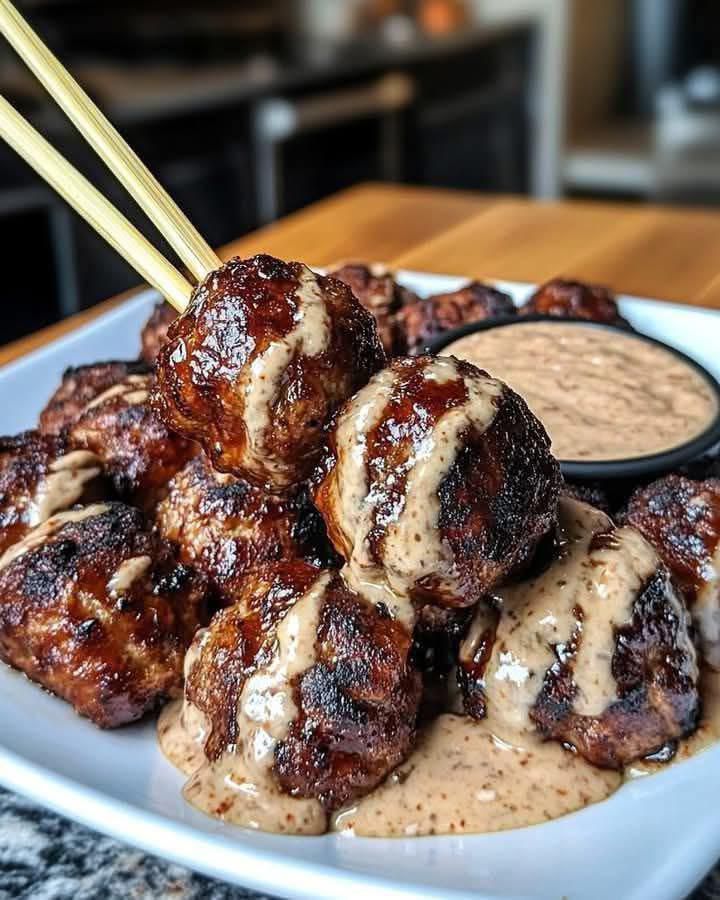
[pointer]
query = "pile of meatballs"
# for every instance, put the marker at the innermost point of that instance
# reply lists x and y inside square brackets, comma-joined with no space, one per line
[284,442]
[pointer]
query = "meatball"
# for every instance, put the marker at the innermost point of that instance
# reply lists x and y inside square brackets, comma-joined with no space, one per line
[225,527]
[426,319]
[154,333]
[306,692]
[96,610]
[377,290]
[681,519]
[595,652]
[575,300]
[437,481]
[139,453]
[258,363]
[80,386]
[39,477]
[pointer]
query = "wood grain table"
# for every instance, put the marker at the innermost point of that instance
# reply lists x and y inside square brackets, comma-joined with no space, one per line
[652,251]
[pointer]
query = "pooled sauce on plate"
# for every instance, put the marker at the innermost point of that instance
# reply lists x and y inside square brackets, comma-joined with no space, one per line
[602,395]
[464,776]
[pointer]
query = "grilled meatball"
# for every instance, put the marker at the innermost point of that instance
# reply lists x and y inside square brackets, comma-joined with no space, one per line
[97,611]
[139,452]
[306,690]
[39,477]
[595,652]
[154,333]
[377,290]
[437,481]
[225,527]
[259,361]
[681,519]
[426,319]
[80,386]
[575,300]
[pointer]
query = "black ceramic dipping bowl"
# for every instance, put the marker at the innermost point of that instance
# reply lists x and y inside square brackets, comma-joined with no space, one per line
[636,467]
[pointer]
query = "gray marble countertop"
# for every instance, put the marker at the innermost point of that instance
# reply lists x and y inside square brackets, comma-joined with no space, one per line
[47,857]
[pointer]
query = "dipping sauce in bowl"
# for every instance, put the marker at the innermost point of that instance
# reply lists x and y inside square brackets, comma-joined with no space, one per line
[603,394]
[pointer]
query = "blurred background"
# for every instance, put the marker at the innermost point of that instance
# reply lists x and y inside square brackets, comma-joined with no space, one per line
[249,109]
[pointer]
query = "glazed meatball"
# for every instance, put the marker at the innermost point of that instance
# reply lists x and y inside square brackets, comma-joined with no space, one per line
[306,692]
[96,610]
[377,290]
[139,453]
[225,527]
[154,333]
[426,319]
[437,481]
[80,386]
[681,519]
[575,300]
[39,477]
[262,357]
[595,652]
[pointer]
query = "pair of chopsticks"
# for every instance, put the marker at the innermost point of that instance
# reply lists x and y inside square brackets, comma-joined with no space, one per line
[118,156]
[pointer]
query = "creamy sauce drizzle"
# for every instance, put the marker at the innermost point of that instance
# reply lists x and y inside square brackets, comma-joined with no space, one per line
[127,573]
[310,336]
[706,612]
[40,534]
[412,545]
[541,614]
[64,484]
[601,394]
[134,389]
[240,787]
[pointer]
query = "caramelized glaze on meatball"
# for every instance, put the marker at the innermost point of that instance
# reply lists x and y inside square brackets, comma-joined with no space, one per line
[39,477]
[139,453]
[81,385]
[575,300]
[377,290]
[681,519]
[154,333]
[437,481]
[595,652]
[262,357]
[426,319]
[225,527]
[306,684]
[96,610]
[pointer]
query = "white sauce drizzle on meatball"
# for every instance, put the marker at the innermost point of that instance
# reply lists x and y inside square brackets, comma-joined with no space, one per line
[64,484]
[261,384]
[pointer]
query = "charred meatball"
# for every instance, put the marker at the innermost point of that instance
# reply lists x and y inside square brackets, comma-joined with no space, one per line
[260,360]
[40,476]
[306,692]
[437,481]
[595,652]
[80,386]
[681,519]
[426,319]
[154,333]
[377,290]
[139,453]
[96,610]
[575,300]
[225,527]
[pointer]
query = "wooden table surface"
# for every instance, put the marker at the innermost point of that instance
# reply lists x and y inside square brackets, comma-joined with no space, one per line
[652,251]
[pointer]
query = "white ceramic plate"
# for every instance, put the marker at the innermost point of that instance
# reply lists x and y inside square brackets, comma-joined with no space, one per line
[654,839]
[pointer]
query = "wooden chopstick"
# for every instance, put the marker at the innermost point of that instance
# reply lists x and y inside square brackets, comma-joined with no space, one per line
[93,207]
[119,157]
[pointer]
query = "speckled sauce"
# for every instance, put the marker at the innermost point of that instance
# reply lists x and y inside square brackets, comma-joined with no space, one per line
[601,394]
[462,779]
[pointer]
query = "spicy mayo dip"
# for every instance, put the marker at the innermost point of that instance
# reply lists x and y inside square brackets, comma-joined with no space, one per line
[601,394]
